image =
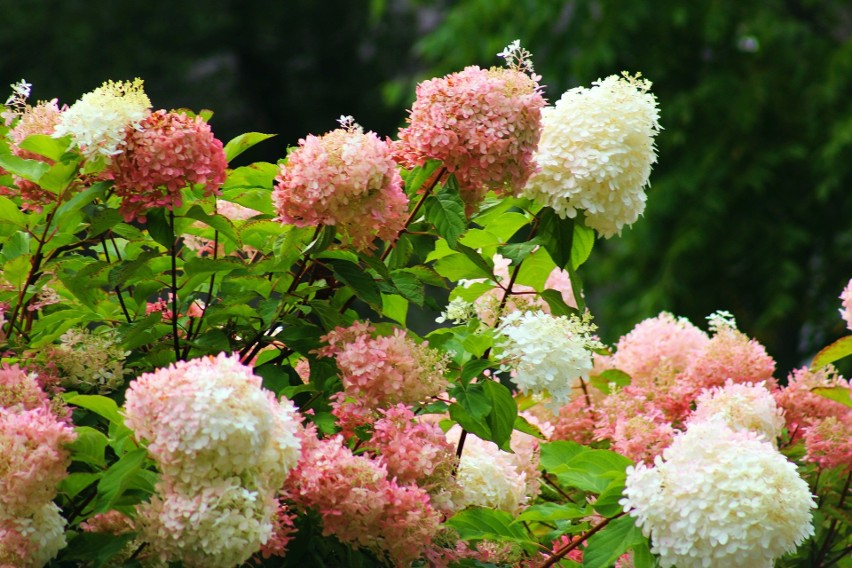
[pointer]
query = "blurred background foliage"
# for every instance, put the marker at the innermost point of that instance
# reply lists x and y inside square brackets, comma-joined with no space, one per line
[750,208]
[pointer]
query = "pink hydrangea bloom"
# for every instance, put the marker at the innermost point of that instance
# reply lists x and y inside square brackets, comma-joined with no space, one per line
[803,407]
[166,153]
[359,504]
[484,125]
[344,178]
[40,119]
[210,418]
[576,421]
[385,370]
[828,443]
[112,522]
[283,530]
[730,354]
[416,453]
[33,457]
[642,437]
[31,540]
[19,390]
[352,414]
[657,350]
[846,312]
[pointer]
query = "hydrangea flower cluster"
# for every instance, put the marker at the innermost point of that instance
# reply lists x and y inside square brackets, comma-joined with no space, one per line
[719,497]
[162,154]
[89,361]
[846,311]
[742,406]
[33,461]
[488,476]
[360,504]
[97,122]
[39,119]
[484,126]
[347,179]
[417,453]
[596,152]
[224,446]
[545,352]
[382,371]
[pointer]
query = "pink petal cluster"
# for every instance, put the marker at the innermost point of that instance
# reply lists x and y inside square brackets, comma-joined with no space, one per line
[416,453]
[484,125]
[829,442]
[112,522]
[846,312]
[344,178]
[168,152]
[225,446]
[33,461]
[40,119]
[360,504]
[804,408]
[385,370]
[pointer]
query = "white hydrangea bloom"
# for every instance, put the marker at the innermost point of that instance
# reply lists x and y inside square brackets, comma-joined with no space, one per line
[596,152]
[45,531]
[488,476]
[546,352]
[97,122]
[217,524]
[720,498]
[741,406]
[458,311]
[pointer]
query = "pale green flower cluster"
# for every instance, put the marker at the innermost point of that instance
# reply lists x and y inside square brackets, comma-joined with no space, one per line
[90,362]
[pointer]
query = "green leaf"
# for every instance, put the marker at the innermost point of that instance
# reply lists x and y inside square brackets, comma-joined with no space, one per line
[557,304]
[518,252]
[118,478]
[352,275]
[837,394]
[553,512]
[97,549]
[395,307]
[89,446]
[128,268]
[160,228]
[592,470]
[76,482]
[415,179]
[557,236]
[409,286]
[218,222]
[605,546]
[478,523]
[243,142]
[487,410]
[45,145]
[606,504]
[11,213]
[31,170]
[834,352]
[504,410]
[323,240]
[603,381]
[523,425]
[59,176]
[474,368]
[556,454]
[100,405]
[581,246]
[445,210]
[79,201]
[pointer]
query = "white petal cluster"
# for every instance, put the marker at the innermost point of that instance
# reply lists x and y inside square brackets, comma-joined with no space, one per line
[98,121]
[546,352]
[720,498]
[488,476]
[220,524]
[43,531]
[741,406]
[596,152]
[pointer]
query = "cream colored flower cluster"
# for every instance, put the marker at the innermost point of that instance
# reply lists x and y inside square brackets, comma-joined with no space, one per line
[596,152]
[720,498]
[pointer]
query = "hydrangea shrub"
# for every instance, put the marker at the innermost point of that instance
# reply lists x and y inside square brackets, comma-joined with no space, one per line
[213,364]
